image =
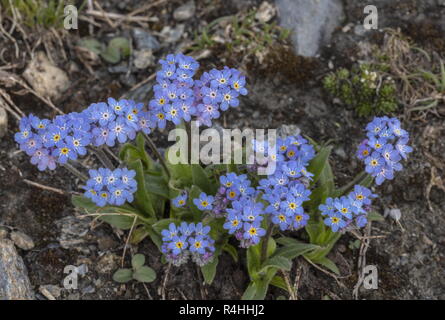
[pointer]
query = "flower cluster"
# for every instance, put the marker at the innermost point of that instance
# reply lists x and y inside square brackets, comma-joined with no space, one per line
[111,187]
[67,137]
[244,220]
[116,121]
[178,97]
[179,243]
[50,142]
[385,146]
[344,211]
[286,189]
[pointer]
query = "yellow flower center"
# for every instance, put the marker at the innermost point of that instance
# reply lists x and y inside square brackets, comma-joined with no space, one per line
[252,231]
[292,205]
[298,218]
[64,151]
[179,244]
[204,203]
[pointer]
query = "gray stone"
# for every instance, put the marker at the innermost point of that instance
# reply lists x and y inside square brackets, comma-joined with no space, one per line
[46,79]
[3,233]
[51,292]
[143,58]
[185,12]
[3,122]
[312,22]
[172,35]
[288,130]
[73,233]
[22,240]
[265,12]
[145,40]
[14,282]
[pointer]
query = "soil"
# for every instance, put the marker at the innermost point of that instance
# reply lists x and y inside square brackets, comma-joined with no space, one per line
[410,257]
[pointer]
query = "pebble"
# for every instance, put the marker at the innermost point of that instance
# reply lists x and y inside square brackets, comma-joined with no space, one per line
[265,12]
[3,233]
[22,240]
[145,40]
[14,281]
[172,35]
[185,12]
[143,58]
[45,78]
[49,291]
[3,122]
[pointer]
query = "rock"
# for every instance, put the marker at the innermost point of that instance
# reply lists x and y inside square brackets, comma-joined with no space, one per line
[394,214]
[288,130]
[121,68]
[265,12]
[312,22]
[51,292]
[144,40]
[106,243]
[3,122]
[14,282]
[143,58]
[185,12]
[3,233]
[46,79]
[22,240]
[107,263]
[73,233]
[172,35]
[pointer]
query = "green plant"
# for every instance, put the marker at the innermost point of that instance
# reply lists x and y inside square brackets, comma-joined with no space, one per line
[117,49]
[138,271]
[45,13]
[364,88]
[245,35]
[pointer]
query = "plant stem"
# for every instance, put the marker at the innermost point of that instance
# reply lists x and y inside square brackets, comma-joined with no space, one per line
[265,243]
[358,178]
[157,154]
[76,172]
[103,158]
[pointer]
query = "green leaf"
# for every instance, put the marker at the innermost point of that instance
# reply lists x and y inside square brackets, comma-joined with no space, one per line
[137,261]
[142,199]
[278,262]
[83,203]
[232,251]
[117,48]
[144,274]
[157,185]
[328,263]
[163,224]
[279,282]
[119,221]
[293,248]
[250,292]
[138,235]
[374,216]
[92,44]
[123,275]
[318,163]
[209,270]
[201,180]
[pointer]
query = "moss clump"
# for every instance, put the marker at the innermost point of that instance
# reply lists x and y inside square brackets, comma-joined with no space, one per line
[282,62]
[363,88]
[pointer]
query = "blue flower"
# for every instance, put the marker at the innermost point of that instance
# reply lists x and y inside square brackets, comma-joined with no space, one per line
[178,244]
[170,233]
[335,221]
[233,222]
[198,244]
[253,232]
[180,200]
[229,99]
[204,202]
